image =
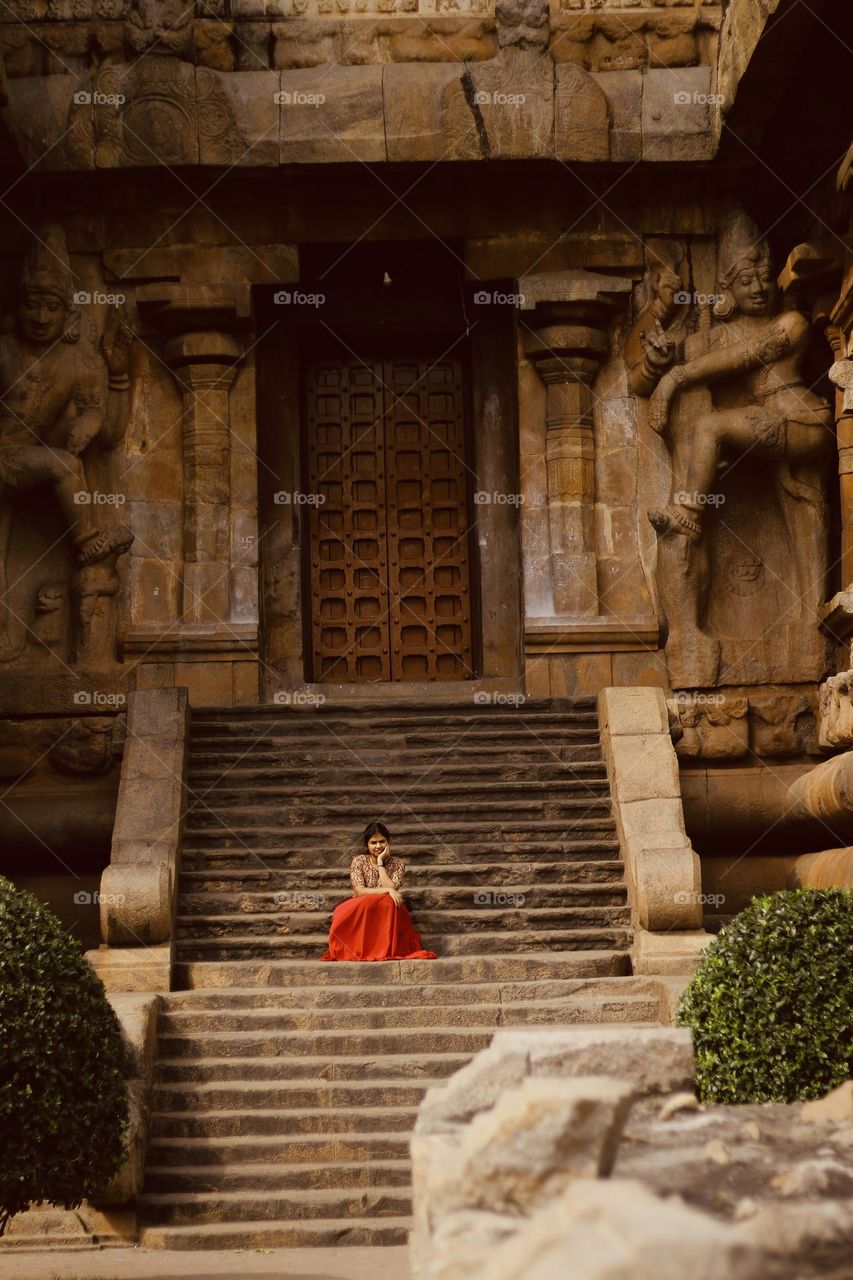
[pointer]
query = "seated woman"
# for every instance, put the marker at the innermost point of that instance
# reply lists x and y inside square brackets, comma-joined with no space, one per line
[375,925]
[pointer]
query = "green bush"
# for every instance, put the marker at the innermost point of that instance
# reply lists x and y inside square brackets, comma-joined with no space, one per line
[63,1100]
[771,1003]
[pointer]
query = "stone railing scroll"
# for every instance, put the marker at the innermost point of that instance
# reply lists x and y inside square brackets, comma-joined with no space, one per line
[137,895]
[661,869]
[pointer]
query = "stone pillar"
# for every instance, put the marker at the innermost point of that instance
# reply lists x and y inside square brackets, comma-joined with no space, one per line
[566,339]
[206,366]
[556,351]
[841,374]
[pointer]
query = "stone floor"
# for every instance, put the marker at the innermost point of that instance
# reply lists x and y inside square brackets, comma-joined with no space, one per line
[156,1264]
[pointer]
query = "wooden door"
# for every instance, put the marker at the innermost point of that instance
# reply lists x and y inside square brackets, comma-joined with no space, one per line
[389,571]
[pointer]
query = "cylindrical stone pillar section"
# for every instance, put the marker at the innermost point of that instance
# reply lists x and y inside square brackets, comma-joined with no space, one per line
[206,365]
[841,374]
[568,358]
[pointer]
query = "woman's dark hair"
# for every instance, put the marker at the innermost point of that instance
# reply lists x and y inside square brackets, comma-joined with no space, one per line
[374,829]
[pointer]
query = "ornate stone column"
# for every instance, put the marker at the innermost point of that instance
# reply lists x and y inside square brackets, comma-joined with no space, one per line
[208,648]
[206,366]
[566,339]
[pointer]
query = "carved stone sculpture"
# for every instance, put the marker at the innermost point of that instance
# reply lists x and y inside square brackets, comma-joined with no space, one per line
[739,395]
[523,24]
[57,397]
[650,349]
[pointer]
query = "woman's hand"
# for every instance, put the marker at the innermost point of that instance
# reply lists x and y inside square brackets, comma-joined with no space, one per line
[396,896]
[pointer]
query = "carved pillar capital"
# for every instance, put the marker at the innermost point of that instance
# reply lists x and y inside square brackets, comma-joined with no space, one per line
[566,339]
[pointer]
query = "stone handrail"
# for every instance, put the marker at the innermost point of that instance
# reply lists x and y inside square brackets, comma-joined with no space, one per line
[137,897]
[662,871]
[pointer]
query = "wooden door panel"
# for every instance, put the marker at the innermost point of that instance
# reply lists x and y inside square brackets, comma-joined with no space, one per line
[390,577]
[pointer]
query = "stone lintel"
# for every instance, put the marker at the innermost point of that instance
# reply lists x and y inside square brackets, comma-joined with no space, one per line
[178,308]
[572,287]
[234,640]
[591,635]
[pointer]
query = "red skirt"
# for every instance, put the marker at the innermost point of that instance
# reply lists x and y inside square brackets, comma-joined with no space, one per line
[373,927]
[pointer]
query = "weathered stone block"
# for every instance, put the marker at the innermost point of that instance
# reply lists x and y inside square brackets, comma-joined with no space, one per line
[413,98]
[644,766]
[624,93]
[677,116]
[653,1060]
[332,116]
[619,1230]
[632,711]
[238,122]
[136,904]
[512,102]
[581,116]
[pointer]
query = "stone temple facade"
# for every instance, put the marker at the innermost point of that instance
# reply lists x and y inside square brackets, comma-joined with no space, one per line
[424,358]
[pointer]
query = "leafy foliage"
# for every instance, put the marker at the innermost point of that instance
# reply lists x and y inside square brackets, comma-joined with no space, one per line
[771,1003]
[63,1100]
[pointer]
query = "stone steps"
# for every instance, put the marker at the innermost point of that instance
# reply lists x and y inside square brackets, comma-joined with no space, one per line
[277,1122]
[215,850]
[229,788]
[559,1009]
[281,768]
[198,1096]
[479,891]
[310,946]
[274,1178]
[518,967]
[328,1233]
[438,920]
[449,877]
[272,1206]
[408,994]
[343,1068]
[206,824]
[242,810]
[285,1089]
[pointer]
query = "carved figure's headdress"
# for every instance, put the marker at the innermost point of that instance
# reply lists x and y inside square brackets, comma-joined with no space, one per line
[741,245]
[47,267]
[523,24]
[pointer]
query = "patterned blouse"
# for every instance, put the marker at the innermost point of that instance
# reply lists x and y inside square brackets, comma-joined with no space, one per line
[364,873]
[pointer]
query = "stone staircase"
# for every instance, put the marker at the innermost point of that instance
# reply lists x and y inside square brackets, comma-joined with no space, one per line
[286,1088]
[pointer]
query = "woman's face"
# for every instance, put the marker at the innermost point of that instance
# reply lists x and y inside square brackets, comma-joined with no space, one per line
[376,845]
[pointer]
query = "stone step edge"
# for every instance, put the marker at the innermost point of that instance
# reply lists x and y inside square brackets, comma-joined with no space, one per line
[309,1194]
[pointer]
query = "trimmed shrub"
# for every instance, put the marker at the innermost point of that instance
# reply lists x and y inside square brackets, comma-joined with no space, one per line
[63,1100]
[771,1003]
